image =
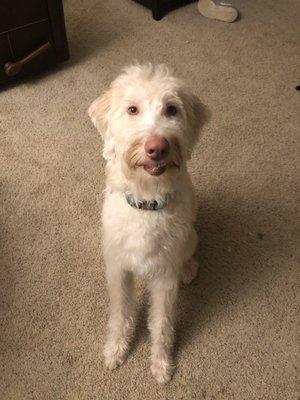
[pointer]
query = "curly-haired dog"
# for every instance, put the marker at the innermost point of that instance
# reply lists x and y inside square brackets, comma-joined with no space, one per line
[149,123]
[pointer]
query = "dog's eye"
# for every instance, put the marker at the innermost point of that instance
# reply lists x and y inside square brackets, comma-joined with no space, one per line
[132,110]
[171,111]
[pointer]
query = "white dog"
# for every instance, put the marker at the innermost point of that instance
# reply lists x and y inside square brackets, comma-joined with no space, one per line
[149,123]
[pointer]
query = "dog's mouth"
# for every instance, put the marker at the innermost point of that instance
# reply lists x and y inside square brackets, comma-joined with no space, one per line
[155,169]
[158,168]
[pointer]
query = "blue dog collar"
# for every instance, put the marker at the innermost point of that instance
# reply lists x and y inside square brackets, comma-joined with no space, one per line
[148,205]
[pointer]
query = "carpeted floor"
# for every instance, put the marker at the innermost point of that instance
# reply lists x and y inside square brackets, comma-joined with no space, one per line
[236,334]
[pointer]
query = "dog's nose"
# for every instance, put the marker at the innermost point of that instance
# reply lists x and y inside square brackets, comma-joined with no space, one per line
[157,147]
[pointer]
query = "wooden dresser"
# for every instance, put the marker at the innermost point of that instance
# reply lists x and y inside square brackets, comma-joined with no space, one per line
[160,7]
[32,37]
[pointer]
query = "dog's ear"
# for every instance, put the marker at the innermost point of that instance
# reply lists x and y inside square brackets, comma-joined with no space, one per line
[98,112]
[197,116]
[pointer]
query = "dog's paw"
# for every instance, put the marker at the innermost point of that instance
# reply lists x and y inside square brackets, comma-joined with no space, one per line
[162,370]
[115,353]
[190,271]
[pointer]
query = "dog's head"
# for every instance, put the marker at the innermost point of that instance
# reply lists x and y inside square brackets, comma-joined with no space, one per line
[149,122]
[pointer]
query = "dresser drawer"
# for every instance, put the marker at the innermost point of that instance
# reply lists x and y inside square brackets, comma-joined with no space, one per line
[34,37]
[15,13]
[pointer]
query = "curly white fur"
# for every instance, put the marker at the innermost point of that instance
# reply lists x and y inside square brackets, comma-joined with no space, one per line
[158,245]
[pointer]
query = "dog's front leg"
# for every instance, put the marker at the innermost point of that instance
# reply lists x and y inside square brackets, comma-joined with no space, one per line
[121,321]
[163,298]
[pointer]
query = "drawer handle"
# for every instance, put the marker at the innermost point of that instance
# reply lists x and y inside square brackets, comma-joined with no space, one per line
[13,68]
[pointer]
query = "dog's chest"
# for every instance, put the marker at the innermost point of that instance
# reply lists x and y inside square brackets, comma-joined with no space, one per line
[142,239]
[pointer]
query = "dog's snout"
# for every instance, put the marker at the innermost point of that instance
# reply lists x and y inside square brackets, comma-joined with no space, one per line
[157,148]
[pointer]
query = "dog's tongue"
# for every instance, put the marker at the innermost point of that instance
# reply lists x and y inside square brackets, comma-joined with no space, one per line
[155,169]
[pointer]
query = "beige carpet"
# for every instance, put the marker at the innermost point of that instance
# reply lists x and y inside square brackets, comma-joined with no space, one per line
[236,335]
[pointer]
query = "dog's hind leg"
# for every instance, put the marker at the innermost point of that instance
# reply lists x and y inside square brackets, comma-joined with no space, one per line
[121,321]
[190,268]
[189,271]
[163,298]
